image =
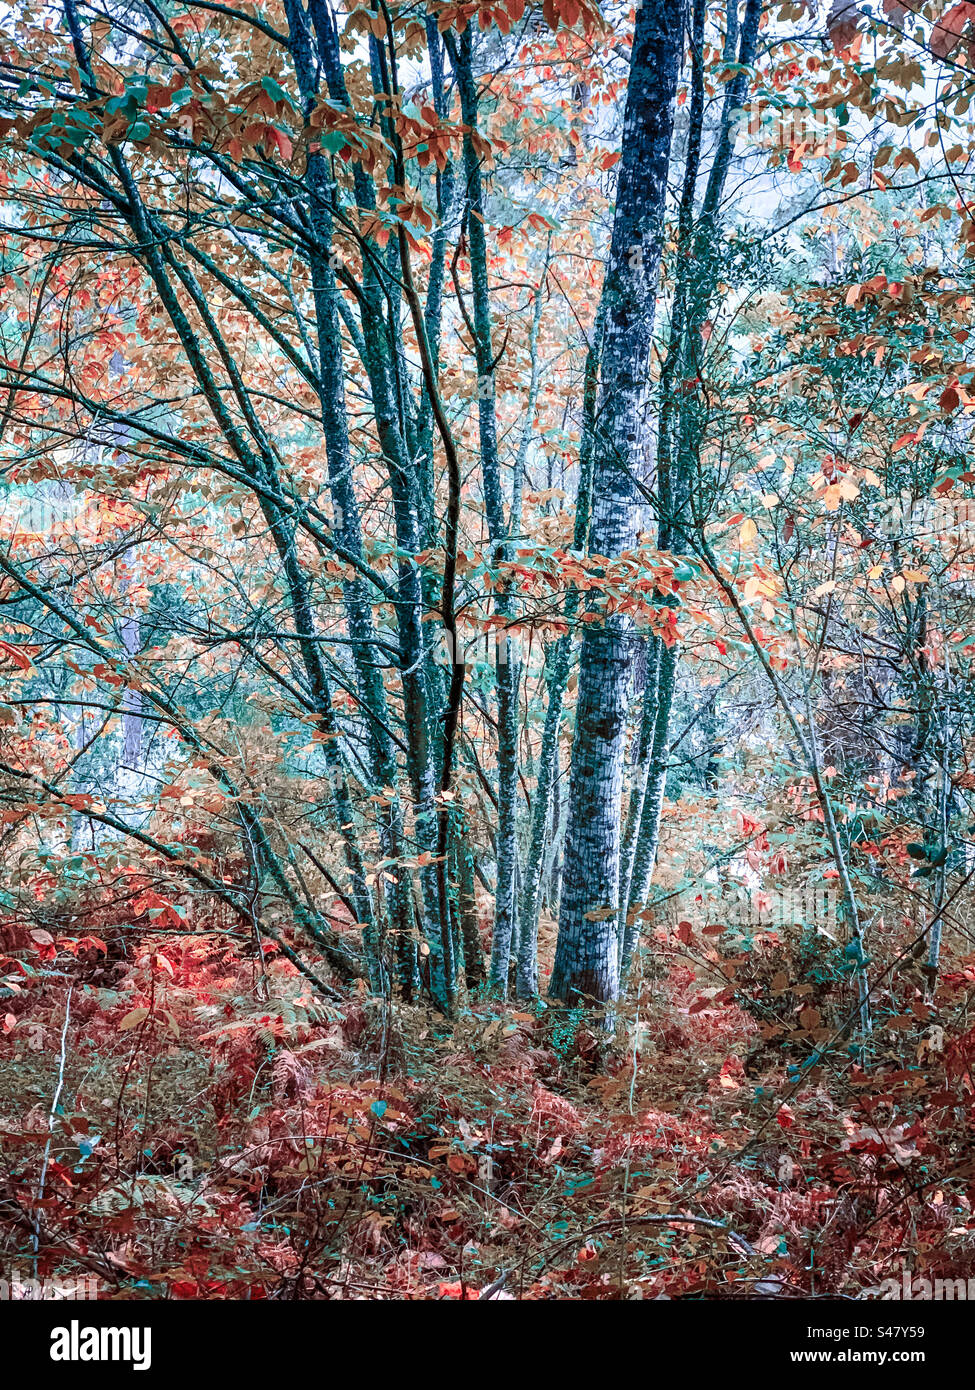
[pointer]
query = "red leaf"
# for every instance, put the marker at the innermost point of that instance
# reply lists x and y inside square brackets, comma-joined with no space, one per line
[948,31]
[16,655]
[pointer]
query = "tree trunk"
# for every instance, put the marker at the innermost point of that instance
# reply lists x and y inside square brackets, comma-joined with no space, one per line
[679,430]
[558,660]
[506,668]
[586,964]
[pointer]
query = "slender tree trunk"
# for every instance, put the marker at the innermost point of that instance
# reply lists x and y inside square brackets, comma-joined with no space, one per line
[643,763]
[433,309]
[331,387]
[379,325]
[506,668]
[559,661]
[945,793]
[651,808]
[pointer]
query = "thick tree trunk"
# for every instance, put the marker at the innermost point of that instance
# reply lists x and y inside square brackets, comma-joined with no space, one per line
[586,964]
[678,434]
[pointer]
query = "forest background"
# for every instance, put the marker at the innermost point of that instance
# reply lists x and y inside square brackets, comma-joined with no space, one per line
[486,609]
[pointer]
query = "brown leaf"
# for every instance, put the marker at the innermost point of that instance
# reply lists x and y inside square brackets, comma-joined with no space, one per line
[842,23]
[132,1019]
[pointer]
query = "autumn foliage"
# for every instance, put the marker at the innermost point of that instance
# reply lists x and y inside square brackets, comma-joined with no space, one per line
[305,354]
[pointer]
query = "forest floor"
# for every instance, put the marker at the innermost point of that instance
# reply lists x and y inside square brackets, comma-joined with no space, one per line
[179,1122]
